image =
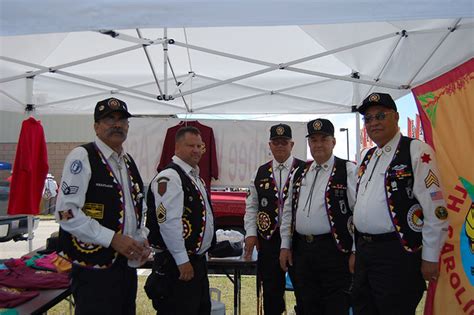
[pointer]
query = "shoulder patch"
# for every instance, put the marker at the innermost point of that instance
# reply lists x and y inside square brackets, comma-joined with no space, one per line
[76,167]
[162,186]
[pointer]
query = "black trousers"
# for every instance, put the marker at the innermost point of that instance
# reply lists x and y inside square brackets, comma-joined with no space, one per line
[105,291]
[177,297]
[273,277]
[322,277]
[388,280]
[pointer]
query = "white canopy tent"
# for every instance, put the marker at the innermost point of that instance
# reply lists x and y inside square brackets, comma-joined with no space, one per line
[231,57]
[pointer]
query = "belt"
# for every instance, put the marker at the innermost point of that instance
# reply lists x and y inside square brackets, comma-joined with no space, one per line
[385,237]
[313,238]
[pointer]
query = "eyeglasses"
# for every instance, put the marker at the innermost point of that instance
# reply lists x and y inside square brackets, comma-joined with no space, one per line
[379,116]
[110,120]
[282,142]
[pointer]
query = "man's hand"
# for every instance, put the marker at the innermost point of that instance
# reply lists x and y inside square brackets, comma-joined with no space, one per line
[286,258]
[430,270]
[129,248]
[186,271]
[250,243]
[352,259]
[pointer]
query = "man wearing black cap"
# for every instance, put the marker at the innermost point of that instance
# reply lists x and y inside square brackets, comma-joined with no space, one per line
[99,210]
[400,216]
[316,228]
[264,205]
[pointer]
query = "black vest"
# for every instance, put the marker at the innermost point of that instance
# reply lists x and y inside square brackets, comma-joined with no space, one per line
[337,205]
[104,202]
[269,203]
[193,219]
[404,209]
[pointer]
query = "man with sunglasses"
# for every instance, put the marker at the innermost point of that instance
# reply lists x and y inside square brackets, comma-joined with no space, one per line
[264,205]
[400,216]
[99,210]
[316,229]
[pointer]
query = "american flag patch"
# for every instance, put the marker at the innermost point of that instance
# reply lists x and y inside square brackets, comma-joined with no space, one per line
[436,195]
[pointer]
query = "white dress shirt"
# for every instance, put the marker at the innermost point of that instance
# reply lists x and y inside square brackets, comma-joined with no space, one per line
[371,214]
[173,200]
[311,214]
[82,226]
[252,204]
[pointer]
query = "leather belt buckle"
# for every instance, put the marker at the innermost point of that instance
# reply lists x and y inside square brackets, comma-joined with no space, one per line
[309,238]
[367,238]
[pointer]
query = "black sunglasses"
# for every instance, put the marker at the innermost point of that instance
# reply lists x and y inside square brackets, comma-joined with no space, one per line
[379,116]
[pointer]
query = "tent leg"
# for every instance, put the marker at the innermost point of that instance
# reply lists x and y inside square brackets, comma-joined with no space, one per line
[30,233]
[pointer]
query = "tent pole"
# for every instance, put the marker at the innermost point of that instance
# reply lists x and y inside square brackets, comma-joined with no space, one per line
[165,61]
[357,118]
[450,30]
[151,65]
[58,67]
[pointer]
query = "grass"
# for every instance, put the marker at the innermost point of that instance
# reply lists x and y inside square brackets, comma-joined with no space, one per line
[248,297]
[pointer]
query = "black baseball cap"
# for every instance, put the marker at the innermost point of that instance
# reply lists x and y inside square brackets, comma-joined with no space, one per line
[280,131]
[320,125]
[110,105]
[379,99]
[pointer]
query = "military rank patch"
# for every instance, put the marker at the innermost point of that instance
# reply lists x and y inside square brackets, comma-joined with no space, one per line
[441,213]
[162,185]
[431,179]
[65,215]
[161,213]
[68,190]
[94,210]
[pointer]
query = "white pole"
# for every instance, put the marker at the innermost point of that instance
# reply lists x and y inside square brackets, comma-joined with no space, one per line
[29,101]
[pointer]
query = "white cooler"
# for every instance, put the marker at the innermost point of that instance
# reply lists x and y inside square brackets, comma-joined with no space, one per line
[217,307]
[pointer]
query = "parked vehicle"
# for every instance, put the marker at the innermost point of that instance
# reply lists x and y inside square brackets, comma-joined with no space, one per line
[12,227]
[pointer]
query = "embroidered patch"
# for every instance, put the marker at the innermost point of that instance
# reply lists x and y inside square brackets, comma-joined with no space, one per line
[113,103]
[436,195]
[162,186]
[161,214]
[425,158]
[342,206]
[441,213]
[280,130]
[374,97]
[431,179]
[399,167]
[267,185]
[76,167]
[187,228]
[94,210]
[65,215]
[263,221]
[68,190]
[415,218]
[264,202]
[104,185]
[203,148]
[317,124]
[84,247]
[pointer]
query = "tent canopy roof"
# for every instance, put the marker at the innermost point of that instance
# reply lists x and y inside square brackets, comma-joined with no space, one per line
[233,57]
